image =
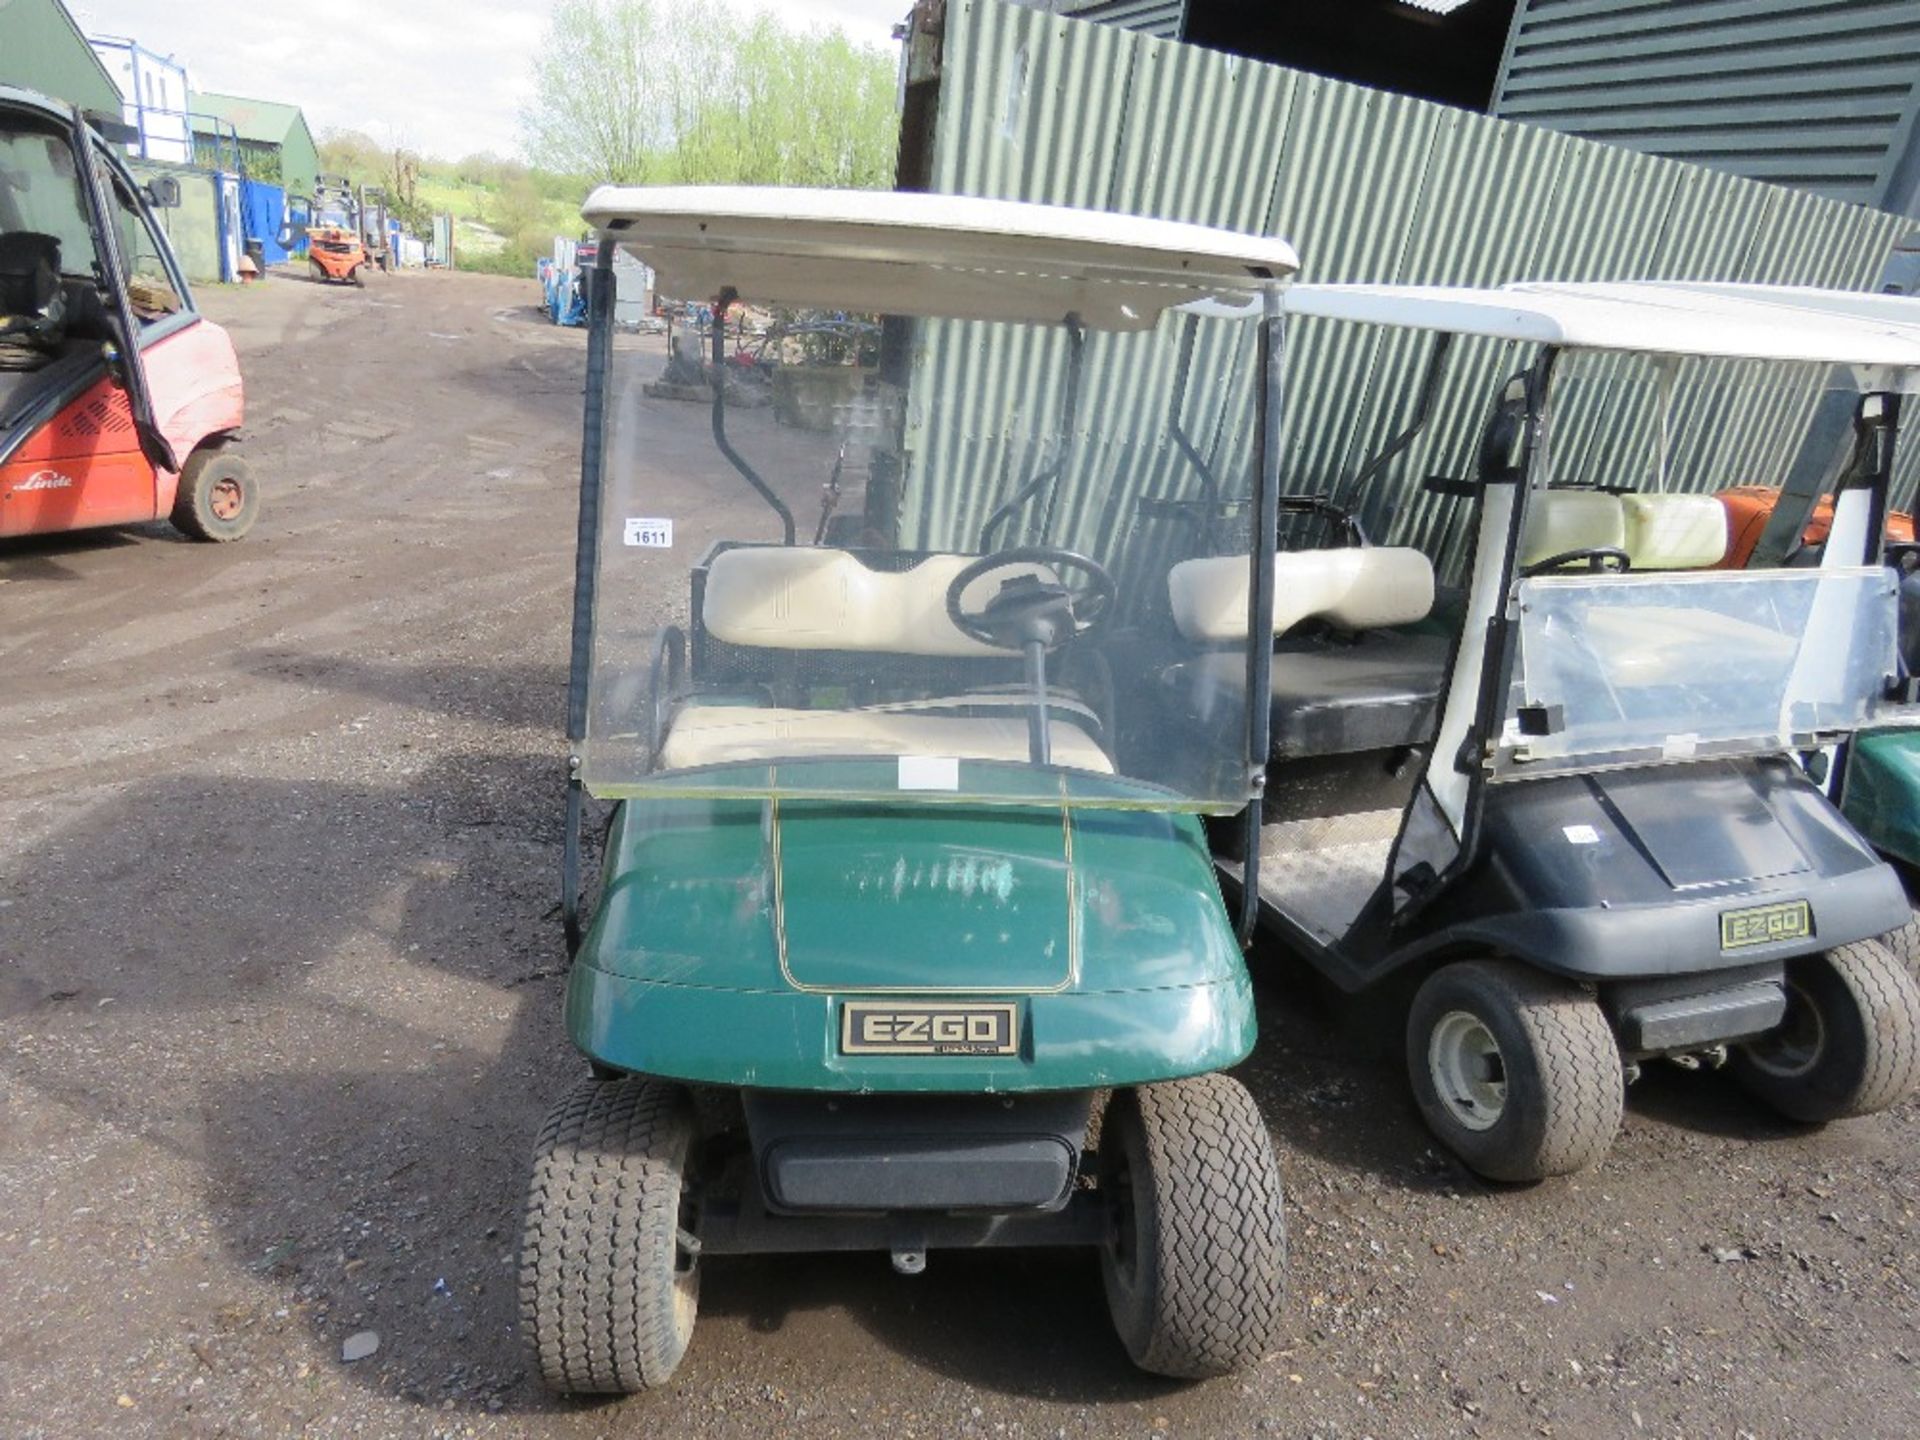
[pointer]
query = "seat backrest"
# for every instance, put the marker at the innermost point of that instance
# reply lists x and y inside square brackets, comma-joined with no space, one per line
[1675,532]
[1357,588]
[815,598]
[29,272]
[1563,520]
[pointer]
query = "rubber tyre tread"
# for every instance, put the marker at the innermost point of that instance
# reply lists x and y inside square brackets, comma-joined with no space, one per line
[192,514]
[1566,1087]
[1905,944]
[598,1239]
[1209,1283]
[1872,1009]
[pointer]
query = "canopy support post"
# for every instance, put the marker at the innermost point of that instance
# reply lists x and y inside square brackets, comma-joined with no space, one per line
[722,302]
[586,574]
[1265,535]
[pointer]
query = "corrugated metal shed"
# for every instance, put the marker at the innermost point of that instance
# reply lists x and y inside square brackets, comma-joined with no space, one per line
[42,49]
[1160,18]
[1370,187]
[1810,93]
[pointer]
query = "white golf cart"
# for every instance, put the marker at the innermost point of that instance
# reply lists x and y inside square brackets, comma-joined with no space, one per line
[1559,804]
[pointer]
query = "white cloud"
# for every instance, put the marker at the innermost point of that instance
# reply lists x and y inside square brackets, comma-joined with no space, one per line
[444,76]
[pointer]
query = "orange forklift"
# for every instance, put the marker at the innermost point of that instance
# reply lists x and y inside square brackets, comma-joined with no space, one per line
[119,403]
[335,253]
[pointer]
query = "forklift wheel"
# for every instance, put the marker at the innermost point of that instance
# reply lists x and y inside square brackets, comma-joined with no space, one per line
[217,498]
[357,275]
[1196,1256]
[1517,1072]
[609,1278]
[316,273]
[1850,1042]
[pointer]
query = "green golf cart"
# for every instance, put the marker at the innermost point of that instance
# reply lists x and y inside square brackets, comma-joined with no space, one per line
[908,936]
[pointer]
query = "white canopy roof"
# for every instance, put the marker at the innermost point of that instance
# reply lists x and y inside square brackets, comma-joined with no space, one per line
[913,254]
[1761,322]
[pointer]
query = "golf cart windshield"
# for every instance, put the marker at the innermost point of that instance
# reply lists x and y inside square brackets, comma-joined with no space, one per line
[827,566]
[1633,643]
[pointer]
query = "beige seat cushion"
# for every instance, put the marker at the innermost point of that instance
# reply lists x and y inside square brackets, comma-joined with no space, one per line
[1675,532]
[813,598]
[1563,520]
[724,734]
[1357,588]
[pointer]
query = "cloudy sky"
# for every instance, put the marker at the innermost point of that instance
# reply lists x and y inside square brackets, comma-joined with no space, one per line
[446,77]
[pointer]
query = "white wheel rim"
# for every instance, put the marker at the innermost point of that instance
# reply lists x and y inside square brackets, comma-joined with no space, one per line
[1468,1071]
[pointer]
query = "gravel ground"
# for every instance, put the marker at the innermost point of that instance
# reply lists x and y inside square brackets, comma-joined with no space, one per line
[280,982]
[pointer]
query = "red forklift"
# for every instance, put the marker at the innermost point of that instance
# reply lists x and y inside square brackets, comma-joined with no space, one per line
[119,403]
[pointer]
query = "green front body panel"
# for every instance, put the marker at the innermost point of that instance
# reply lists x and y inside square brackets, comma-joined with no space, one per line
[729,932]
[1882,797]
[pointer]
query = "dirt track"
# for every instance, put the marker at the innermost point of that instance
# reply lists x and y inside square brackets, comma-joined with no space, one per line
[280,988]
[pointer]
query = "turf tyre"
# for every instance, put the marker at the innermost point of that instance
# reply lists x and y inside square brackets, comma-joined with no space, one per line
[607,1297]
[1850,1042]
[1905,944]
[1195,1264]
[1564,1087]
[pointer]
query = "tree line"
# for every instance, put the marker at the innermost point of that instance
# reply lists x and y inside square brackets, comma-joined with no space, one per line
[687,92]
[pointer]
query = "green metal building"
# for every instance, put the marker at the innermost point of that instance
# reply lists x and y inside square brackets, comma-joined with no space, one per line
[41,48]
[1372,187]
[1821,95]
[275,143]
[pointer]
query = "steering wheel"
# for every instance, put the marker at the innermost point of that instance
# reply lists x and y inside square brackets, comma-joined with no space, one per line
[1029,609]
[1598,558]
[1033,614]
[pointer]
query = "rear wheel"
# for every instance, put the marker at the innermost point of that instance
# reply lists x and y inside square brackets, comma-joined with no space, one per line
[1516,1072]
[1849,1043]
[217,498]
[1905,944]
[609,1269]
[316,272]
[1196,1256]
[358,275]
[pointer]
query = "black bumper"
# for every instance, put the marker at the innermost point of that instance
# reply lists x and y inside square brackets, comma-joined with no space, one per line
[939,1153]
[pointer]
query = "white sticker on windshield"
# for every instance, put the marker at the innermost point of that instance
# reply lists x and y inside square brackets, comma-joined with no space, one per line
[1580,834]
[929,772]
[1680,747]
[652,533]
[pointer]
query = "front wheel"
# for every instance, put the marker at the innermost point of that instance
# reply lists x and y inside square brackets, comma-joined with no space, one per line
[609,1266]
[1516,1072]
[217,498]
[1849,1043]
[1196,1255]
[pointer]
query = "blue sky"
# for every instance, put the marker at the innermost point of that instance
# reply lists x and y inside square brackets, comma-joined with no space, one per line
[446,77]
